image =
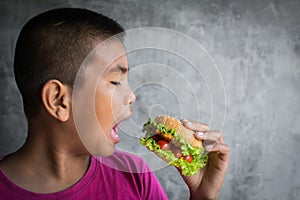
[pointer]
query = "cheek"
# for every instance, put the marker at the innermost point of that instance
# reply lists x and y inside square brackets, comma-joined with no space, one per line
[109,105]
[103,107]
[117,101]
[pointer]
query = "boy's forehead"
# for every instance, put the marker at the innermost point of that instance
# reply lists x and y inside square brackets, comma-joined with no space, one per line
[108,54]
[110,50]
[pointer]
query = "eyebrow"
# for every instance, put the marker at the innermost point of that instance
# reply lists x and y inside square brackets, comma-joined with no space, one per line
[118,68]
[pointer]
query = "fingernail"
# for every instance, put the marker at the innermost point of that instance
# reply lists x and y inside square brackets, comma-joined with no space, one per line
[209,147]
[199,134]
[188,123]
[184,120]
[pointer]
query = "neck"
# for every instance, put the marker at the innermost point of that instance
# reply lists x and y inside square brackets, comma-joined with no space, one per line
[46,157]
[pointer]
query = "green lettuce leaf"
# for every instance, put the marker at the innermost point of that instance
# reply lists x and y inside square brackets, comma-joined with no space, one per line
[199,156]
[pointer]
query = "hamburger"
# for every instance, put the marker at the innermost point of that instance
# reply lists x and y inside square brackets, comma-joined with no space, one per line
[169,139]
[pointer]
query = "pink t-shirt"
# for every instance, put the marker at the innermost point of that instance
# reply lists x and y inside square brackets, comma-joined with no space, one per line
[111,177]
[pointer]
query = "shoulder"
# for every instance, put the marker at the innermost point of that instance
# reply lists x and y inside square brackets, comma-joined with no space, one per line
[125,162]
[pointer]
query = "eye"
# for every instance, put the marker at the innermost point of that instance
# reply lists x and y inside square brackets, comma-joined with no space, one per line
[115,83]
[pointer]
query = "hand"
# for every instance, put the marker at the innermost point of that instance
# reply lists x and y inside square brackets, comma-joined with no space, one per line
[208,182]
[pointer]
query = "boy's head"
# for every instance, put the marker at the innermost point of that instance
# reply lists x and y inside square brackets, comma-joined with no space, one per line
[52,45]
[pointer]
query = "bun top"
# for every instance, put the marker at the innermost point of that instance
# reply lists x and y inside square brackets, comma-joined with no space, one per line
[169,122]
[173,123]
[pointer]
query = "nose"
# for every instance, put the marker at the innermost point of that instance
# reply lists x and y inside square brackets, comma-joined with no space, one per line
[131,97]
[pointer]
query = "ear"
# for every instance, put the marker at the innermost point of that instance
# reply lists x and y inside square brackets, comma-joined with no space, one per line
[56,99]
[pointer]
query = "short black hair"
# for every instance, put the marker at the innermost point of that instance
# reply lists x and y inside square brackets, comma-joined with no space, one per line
[52,45]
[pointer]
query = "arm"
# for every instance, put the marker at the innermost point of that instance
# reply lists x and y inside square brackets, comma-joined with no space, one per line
[208,182]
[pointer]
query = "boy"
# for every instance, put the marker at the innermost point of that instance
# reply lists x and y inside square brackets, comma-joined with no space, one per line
[58,162]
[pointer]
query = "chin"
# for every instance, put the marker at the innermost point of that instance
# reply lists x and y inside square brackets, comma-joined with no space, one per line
[105,150]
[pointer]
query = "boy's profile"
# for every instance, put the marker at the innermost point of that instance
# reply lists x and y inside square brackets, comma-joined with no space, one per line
[54,163]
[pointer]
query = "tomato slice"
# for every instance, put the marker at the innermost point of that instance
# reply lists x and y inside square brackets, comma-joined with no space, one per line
[188,158]
[165,145]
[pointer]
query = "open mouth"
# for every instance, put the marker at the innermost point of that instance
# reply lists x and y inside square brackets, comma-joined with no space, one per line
[114,134]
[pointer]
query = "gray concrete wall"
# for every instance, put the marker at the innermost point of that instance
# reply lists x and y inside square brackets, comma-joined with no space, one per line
[256,45]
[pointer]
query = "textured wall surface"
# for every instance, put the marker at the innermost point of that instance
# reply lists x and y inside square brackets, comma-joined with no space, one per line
[256,45]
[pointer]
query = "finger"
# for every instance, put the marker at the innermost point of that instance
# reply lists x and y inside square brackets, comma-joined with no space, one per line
[222,149]
[221,140]
[208,135]
[195,126]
